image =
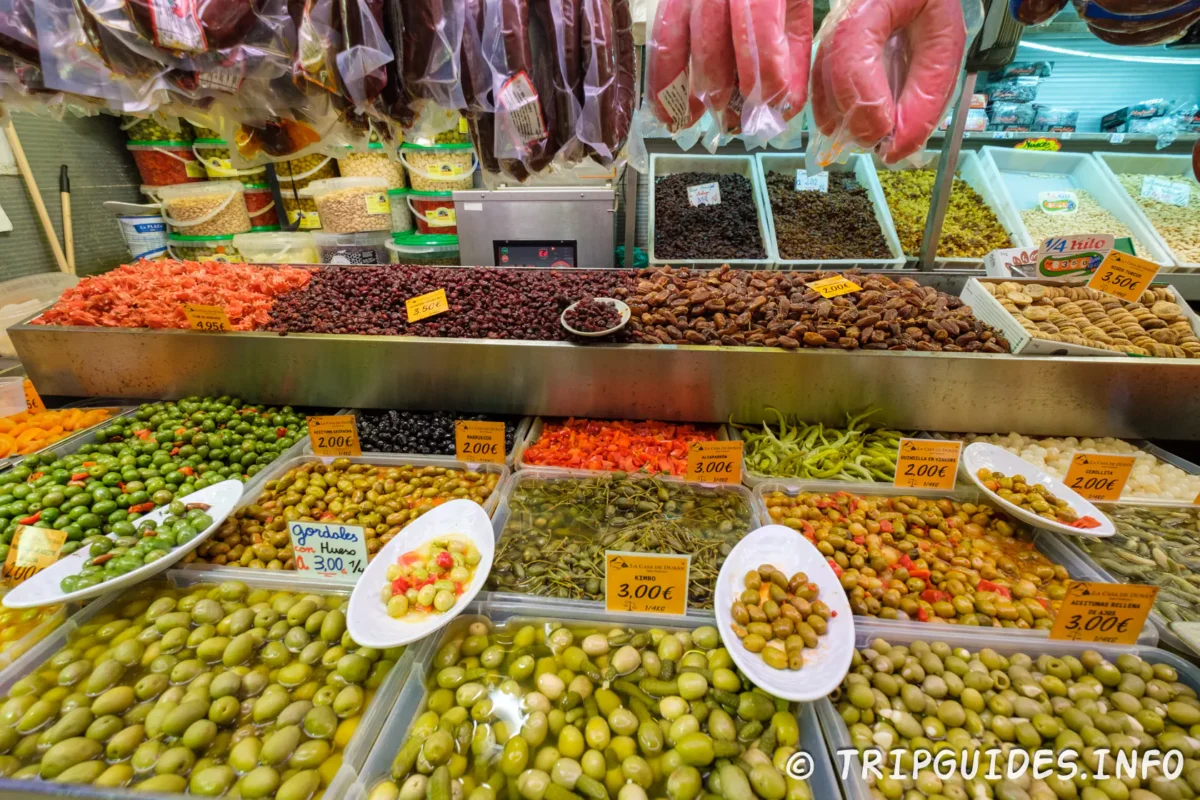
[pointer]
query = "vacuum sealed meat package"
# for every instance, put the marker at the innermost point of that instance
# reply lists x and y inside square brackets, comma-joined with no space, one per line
[18,36]
[669,93]
[522,136]
[885,73]
[432,34]
[764,67]
[479,105]
[606,42]
[365,51]
[714,78]
[558,21]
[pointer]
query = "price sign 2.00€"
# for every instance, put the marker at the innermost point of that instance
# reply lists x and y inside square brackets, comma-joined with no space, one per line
[927,464]
[334,436]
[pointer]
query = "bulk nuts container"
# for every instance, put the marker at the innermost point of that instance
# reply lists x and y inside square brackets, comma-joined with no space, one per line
[402,218]
[281,247]
[164,163]
[149,130]
[351,205]
[439,167]
[260,205]
[433,211]
[375,163]
[214,208]
[204,248]
[296,174]
[214,154]
[351,248]
[424,250]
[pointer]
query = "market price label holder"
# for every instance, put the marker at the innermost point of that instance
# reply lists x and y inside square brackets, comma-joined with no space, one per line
[208,319]
[330,551]
[1106,613]
[715,462]
[1123,276]
[334,435]
[927,464]
[1099,477]
[479,441]
[33,549]
[426,305]
[33,400]
[834,286]
[1059,256]
[646,583]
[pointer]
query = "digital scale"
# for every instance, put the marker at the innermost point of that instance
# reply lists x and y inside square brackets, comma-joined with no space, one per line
[555,228]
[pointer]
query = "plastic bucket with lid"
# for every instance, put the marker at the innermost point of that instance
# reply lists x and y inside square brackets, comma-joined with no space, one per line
[375,163]
[143,131]
[419,249]
[213,208]
[433,212]
[260,205]
[352,248]
[214,155]
[402,218]
[142,227]
[279,247]
[164,163]
[203,248]
[439,167]
[351,205]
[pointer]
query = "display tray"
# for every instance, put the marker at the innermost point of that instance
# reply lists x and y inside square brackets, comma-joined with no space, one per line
[414,697]
[353,756]
[837,735]
[538,424]
[69,444]
[1168,166]
[752,478]
[1045,542]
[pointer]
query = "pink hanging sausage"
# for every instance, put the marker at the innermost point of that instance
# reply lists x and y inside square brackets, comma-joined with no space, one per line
[762,54]
[714,64]
[825,110]
[798,25]
[667,67]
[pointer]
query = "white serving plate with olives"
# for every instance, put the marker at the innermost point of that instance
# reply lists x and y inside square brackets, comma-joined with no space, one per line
[367,617]
[788,551]
[45,589]
[982,455]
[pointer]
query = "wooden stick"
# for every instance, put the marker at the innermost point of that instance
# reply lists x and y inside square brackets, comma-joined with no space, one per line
[64,196]
[23,165]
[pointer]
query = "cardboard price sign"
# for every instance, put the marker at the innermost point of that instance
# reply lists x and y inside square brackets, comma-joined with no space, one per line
[334,436]
[927,464]
[426,305]
[1111,613]
[715,462]
[834,287]
[479,441]
[1123,276]
[33,549]
[33,400]
[648,583]
[209,319]
[1097,476]
[329,549]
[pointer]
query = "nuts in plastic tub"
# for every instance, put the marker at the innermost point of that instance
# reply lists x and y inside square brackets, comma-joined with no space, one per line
[212,208]
[424,250]
[164,163]
[402,216]
[277,247]
[433,212]
[439,168]
[375,163]
[204,248]
[260,205]
[351,248]
[143,131]
[302,171]
[351,205]
[214,154]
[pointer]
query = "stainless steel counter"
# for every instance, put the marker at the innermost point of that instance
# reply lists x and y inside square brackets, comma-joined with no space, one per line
[936,391]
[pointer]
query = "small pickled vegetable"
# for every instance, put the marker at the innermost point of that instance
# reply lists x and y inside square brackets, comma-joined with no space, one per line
[778,617]
[1035,499]
[23,433]
[431,578]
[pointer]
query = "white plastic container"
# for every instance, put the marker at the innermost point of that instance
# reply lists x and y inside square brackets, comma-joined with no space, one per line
[212,208]
[1164,166]
[375,163]
[21,298]
[864,172]
[142,227]
[1022,174]
[354,249]
[402,216]
[351,205]
[439,167]
[424,249]
[277,247]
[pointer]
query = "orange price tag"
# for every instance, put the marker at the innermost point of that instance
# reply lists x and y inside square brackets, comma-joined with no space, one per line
[33,549]
[426,305]
[927,464]
[479,441]
[834,287]
[715,462]
[207,318]
[648,583]
[334,436]
[1097,476]
[33,400]
[1112,613]
[1123,276]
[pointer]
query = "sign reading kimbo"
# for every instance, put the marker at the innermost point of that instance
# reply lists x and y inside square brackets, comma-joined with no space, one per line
[329,550]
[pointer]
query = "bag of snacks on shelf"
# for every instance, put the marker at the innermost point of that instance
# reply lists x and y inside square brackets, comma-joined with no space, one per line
[433,212]
[439,168]
[260,205]
[165,163]
[375,163]
[424,250]
[214,154]
[351,248]
[279,247]
[156,128]
[351,205]
[213,208]
[203,248]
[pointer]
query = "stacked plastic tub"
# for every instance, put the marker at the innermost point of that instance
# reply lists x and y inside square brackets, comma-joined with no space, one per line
[435,172]
[294,176]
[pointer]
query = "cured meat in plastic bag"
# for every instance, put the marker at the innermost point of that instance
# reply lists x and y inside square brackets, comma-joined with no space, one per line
[714,65]
[478,104]
[18,36]
[1138,23]
[558,24]
[1034,12]
[432,36]
[606,41]
[365,52]
[867,47]
[669,94]
[760,46]
[522,137]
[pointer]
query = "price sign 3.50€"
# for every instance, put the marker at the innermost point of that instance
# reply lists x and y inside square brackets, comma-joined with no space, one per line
[650,583]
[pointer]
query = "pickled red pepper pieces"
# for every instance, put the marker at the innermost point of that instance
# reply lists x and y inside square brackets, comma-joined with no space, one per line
[619,445]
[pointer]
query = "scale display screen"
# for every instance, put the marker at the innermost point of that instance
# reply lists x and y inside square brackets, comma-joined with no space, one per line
[557,254]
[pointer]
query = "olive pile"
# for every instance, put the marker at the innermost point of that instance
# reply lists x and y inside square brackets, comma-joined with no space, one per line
[380,499]
[930,696]
[554,540]
[924,559]
[427,433]
[1035,499]
[838,224]
[728,229]
[209,689]
[163,451]
[778,617]
[588,713]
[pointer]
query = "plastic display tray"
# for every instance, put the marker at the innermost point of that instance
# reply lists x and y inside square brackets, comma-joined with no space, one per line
[69,444]
[864,172]
[1150,164]
[666,164]
[752,478]
[353,756]
[414,697]
[534,432]
[837,735]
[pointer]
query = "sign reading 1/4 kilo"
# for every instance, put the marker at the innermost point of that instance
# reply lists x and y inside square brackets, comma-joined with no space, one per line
[329,549]
[479,441]
[715,462]
[650,583]
[334,435]
[927,464]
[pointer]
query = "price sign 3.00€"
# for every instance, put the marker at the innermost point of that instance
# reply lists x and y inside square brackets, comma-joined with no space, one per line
[649,583]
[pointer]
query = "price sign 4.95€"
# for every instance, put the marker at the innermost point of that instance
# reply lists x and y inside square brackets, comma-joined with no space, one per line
[479,441]
[334,436]
[1111,613]
[715,462]
[650,583]
[927,464]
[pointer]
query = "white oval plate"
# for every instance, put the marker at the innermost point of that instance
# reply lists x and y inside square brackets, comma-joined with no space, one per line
[788,550]
[622,308]
[981,455]
[367,616]
[43,589]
